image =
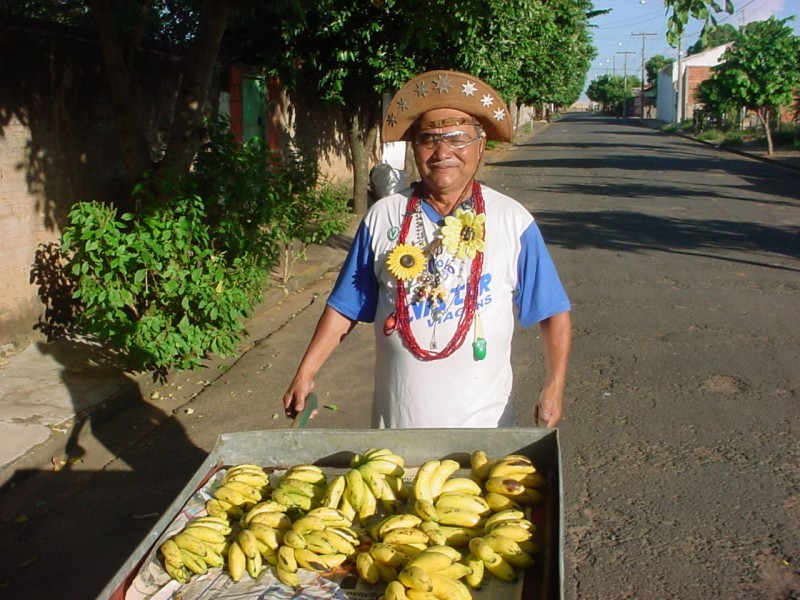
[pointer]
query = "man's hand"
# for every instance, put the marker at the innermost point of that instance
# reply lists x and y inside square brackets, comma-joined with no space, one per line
[294,400]
[547,411]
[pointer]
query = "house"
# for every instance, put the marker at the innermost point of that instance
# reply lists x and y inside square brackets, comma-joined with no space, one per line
[677,84]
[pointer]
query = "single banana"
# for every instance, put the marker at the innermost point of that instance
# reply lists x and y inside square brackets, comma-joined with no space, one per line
[347,509]
[430,561]
[447,588]
[285,576]
[345,532]
[247,541]
[499,502]
[435,533]
[505,486]
[416,578]
[459,536]
[369,504]
[237,561]
[455,571]
[222,524]
[371,453]
[309,473]
[302,488]
[387,466]
[271,537]
[177,571]
[340,544]
[409,549]
[512,466]
[365,566]
[509,514]
[308,524]
[458,517]
[251,492]
[171,552]
[204,533]
[464,485]
[532,496]
[450,551]
[228,494]
[406,535]
[463,501]
[442,473]
[388,555]
[291,499]
[257,481]
[477,567]
[480,464]
[418,595]
[223,509]
[373,480]
[318,543]
[355,489]
[307,559]
[331,516]
[426,510]
[386,573]
[503,545]
[293,539]
[278,520]
[395,591]
[286,559]
[395,521]
[518,534]
[422,480]
[398,486]
[190,543]
[493,562]
[333,493]
[253,565]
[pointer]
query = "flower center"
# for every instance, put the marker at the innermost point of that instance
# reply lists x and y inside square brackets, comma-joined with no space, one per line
[407,261]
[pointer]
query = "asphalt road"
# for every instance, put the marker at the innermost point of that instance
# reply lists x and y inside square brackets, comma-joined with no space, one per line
[679,440]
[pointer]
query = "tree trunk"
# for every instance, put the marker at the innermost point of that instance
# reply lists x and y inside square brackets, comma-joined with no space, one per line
[764,117]
[362,133]
[191,105]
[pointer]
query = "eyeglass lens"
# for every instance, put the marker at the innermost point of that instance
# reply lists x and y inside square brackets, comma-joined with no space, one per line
[453,139]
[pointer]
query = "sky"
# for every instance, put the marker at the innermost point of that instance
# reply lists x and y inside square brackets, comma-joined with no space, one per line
[621,29]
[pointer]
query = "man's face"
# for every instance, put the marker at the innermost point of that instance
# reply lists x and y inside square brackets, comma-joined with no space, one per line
[445,170]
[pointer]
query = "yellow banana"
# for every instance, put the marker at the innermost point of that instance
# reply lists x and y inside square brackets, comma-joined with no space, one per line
[387,466]
[436,535]
[480,464]
[333,493]
[416,578]
[388,555]
[450,551]
[247,542]
[493,562]
[464,485]
[371,453]
[464,502]
[308,473]
[373,480]
[253,565]
[502,544]
[505,486]
[246,467]
[398,486]
[171,552]
[269,536]
[447,588]
[190,543]
[302,488]
[458,517]
[430,561]
[252,493]
[177,571]
[518,534]
[228,494]
[442,473]
[395,521]
[529,546]
[498,502]
[278,520]
[532,496]
[355,489]
[204,533]
[347,509]
[345,532]
[221,524]
[455,571]
[459,536]
[223,509]
[293,539]
[286,558]
[509,514]
[369,504]
[422,480]
[365,566]
[318,543]
[291,499]
[481,549]
[237,561]
[406,535]
[418,595]
[477,567]
[340,544]
[310,560]
[513,466]
[426,510]
[395,591]
[308,524]
[257,481]
[287,577]
[386,573]
[331,516]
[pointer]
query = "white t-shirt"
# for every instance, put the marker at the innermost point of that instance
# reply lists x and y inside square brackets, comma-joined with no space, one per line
[457,391]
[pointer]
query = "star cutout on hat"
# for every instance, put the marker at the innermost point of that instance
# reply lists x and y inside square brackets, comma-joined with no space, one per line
[443,84]
[403,104]
[391,119]
[469,88]
[499,114]
[422,89]
[487,100]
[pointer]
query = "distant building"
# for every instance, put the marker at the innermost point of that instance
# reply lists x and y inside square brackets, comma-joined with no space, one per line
[677,84]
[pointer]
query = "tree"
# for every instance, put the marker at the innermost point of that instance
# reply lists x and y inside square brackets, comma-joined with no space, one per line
[761,71]
[654,65]
[716,36]
[612,90]
[699,9]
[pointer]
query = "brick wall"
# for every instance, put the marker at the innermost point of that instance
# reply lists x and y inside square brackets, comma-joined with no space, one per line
[694,77]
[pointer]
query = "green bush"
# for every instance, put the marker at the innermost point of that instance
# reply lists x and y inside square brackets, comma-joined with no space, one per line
[711,135]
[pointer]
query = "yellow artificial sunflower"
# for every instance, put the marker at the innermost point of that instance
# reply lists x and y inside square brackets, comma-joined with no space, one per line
[462,233]
[406,261]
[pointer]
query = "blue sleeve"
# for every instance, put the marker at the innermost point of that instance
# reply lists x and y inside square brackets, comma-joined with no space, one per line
[539,292]
[355,294]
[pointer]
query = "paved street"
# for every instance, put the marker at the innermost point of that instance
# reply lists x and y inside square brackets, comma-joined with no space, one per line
[679,439]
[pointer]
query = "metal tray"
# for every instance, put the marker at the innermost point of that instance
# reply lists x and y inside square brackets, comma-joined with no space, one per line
[333,448]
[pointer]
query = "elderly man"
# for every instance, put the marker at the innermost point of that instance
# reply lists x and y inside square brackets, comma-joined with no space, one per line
[441,269]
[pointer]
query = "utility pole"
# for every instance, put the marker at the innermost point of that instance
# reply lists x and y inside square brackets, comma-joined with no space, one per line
[641,91]
[625,79]
[679,104]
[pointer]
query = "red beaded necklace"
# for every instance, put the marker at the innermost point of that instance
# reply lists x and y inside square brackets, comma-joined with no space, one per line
[470,301]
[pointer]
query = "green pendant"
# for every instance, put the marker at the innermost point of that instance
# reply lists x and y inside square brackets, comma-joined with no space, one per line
[479,349]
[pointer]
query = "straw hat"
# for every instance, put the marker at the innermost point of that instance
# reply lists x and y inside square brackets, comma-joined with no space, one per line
[446,89]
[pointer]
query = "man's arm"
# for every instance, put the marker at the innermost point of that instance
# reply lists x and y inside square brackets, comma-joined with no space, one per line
[332,328]
[556,343]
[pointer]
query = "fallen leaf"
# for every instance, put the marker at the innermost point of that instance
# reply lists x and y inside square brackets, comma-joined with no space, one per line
[331,407]
[189,411]
[21,519]
[154,395]
[274,416]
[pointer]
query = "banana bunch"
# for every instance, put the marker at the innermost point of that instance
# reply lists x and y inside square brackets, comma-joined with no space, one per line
[319,541]
[243,486]
[508,482]
[200,545]
[436,571]
[302,486]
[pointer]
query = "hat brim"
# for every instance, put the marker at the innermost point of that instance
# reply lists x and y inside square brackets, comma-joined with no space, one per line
[446,89]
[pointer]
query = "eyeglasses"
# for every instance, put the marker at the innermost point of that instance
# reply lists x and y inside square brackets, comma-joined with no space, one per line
[456,140]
